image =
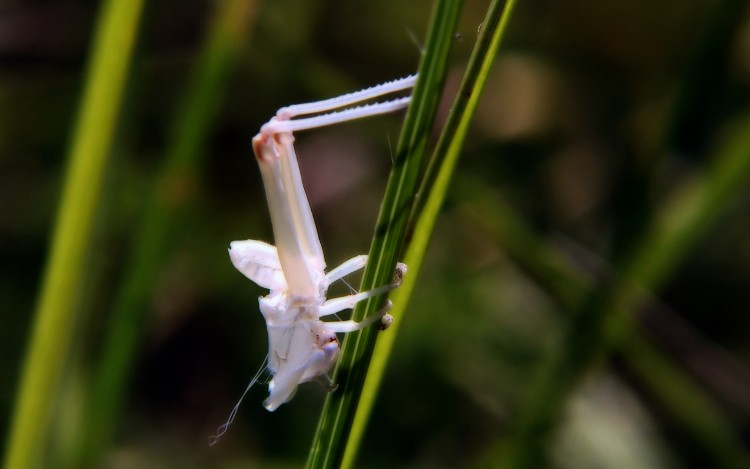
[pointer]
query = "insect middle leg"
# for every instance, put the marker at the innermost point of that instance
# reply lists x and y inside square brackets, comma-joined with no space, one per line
[351,326]
[347,302]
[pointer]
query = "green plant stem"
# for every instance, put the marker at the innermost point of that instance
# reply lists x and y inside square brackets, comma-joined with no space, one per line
[336,419]
[173,192]
[56,314]
[432,193]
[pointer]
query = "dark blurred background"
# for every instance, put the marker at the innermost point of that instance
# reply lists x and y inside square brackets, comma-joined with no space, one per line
[595,113]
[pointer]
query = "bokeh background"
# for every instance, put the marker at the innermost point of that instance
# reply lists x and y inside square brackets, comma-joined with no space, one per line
[596,114]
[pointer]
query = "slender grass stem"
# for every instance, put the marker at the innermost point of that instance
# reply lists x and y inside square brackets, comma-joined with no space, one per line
[173,192]
[432,193]
[334,427]
[56,315]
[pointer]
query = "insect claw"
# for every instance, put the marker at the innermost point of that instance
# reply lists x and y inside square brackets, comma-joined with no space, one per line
[385,319]
[398,276]
[385,322]
[327,383]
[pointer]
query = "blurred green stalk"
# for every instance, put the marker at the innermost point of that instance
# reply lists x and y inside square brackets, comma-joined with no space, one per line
[432,192]
[704,424]
[334,427]
[605,319]
[173,191]
[56,316]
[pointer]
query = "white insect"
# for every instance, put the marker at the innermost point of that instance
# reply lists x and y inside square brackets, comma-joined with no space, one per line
[302,347]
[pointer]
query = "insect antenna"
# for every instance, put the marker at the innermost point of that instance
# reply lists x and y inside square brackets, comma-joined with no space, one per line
[212,440]
[415,40]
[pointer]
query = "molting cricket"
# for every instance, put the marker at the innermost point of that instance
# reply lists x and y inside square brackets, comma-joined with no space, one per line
[301,346]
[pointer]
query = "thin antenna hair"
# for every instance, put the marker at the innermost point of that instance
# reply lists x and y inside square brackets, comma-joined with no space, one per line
[212,440]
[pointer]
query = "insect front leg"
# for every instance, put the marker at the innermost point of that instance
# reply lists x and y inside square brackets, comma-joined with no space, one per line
[352,265]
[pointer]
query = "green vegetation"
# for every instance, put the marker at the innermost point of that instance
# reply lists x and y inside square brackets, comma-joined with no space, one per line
[568,190]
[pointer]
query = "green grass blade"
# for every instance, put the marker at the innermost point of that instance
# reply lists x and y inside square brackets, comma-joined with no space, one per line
[57,309]
[338,413]
[689,215]
[173,193]
[432,194]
